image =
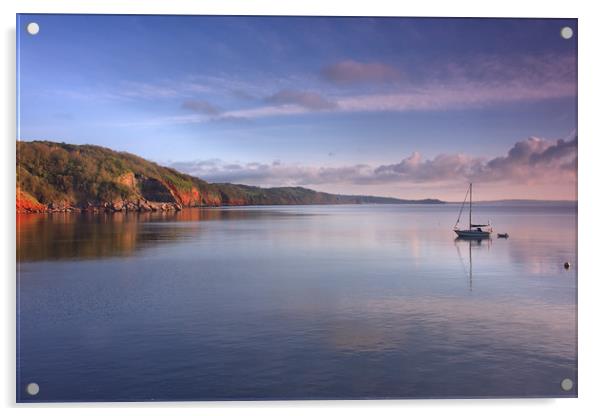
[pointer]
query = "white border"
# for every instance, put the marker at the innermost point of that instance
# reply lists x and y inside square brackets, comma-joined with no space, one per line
[590,150]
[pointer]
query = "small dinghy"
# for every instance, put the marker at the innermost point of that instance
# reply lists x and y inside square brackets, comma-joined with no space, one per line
[476,231]
[502,235]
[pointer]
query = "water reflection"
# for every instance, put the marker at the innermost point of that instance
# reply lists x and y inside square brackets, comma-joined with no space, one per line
[470,243]
[296,302]
[87,236]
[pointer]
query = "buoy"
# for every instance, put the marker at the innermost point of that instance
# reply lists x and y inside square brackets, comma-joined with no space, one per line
[567,265]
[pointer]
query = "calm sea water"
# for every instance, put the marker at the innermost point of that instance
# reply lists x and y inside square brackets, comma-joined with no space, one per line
[369,301]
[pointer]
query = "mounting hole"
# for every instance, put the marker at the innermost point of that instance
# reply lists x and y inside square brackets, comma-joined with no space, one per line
[33,28]
[566,32]
[33,389]
[566,384]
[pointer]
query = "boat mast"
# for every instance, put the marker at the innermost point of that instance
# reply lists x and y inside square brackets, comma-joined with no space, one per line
[470,210]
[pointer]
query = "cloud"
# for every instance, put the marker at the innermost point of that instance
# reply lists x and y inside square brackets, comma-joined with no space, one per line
[533,160]
[207,112]
[242,94]
[231,120]
[201,107]
[268,111]
[271,174]
[428,98]
[306,99]
[350,71]
[475,82]
[456,96]
[478,82]
[441,168]
[526,69]
[142,90]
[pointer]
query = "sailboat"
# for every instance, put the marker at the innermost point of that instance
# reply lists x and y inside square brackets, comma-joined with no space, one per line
[477,231]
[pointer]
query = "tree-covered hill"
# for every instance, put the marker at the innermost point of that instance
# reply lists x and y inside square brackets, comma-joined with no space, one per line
[63,177]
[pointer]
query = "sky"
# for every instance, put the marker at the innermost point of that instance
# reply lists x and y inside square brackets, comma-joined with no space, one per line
[403,107]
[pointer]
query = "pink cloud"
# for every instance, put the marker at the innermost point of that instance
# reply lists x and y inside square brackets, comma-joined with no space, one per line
[350,71]
[428,98]
[307,99]
[534,160]
[201,107]
[474,83]
[456,96]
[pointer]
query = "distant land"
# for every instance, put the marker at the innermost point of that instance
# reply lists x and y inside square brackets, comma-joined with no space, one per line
[60,177]
[519,202]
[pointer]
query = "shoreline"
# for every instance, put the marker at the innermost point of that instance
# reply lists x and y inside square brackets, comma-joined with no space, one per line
[172,207]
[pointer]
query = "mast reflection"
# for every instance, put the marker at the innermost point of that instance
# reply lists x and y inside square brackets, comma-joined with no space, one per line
[471,242]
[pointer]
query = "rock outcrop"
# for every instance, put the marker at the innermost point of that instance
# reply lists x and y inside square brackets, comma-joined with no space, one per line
[27,203]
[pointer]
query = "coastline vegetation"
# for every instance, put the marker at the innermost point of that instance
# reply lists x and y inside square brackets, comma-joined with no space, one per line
[63,177]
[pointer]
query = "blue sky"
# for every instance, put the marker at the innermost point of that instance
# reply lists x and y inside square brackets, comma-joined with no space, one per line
[389,106]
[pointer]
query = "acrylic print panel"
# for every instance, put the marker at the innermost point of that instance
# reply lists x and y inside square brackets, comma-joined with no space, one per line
[235,208]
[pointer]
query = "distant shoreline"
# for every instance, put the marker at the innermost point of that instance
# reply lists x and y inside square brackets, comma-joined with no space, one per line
[520,201]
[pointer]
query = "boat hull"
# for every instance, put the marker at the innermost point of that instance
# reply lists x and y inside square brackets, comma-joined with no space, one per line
[473,234]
